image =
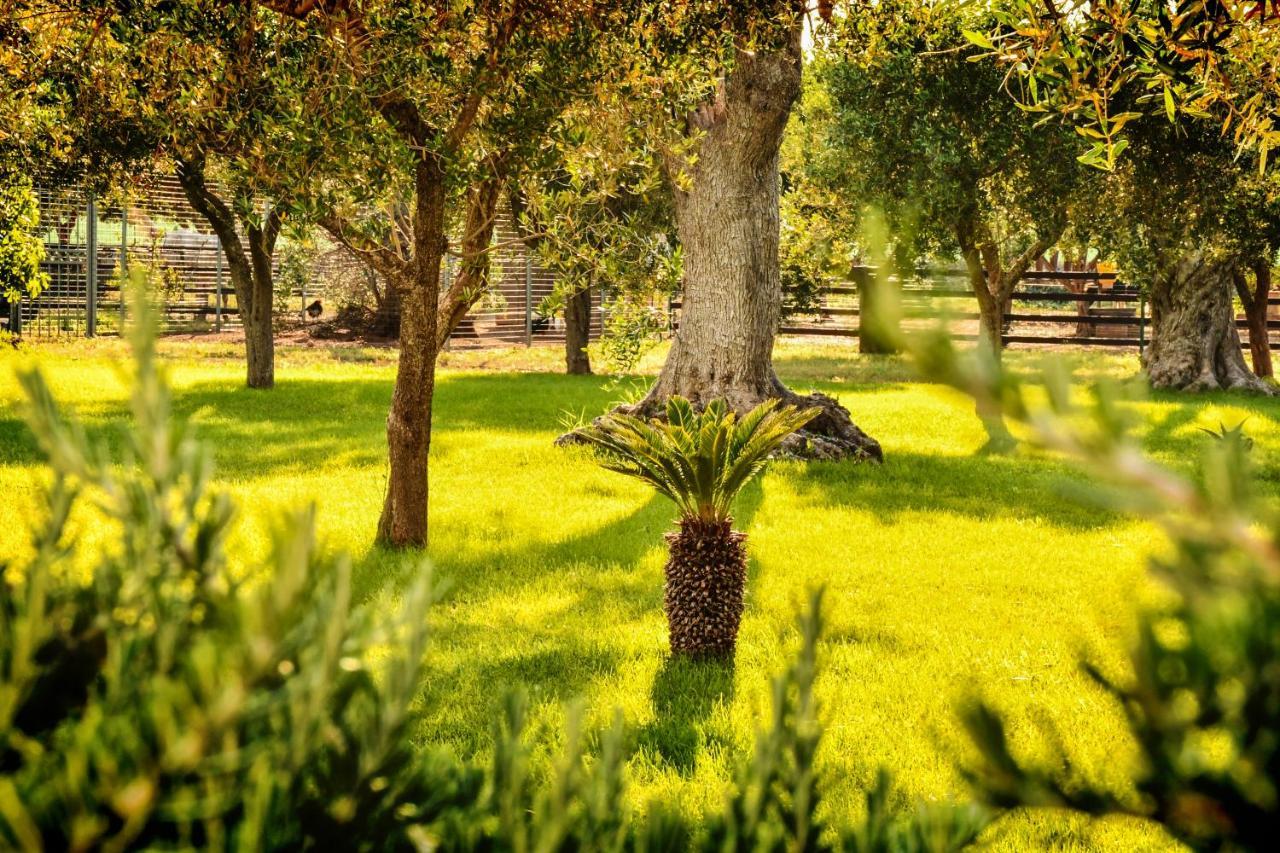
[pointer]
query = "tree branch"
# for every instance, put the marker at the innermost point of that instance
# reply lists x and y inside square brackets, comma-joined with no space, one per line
[391,265]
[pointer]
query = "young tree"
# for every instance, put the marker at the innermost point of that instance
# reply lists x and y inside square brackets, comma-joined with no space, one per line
[701,460]
[925,135]
[143,86]
[427,108]
[601,215]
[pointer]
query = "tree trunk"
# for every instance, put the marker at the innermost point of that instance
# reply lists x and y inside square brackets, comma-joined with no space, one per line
[257,305]
[386,318]
[259,337]
[727,220]
[577,332]
[875,336]
[249,268]
[994,278]
[404,510]
[704,594]
[1194,342]
[1256,309]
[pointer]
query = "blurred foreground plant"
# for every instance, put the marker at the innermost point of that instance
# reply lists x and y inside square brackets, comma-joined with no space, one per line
[159,699]
[1203,699]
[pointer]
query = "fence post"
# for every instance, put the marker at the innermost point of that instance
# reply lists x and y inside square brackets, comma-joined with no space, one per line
[124,258]
[528,301]
[217,290]
[873,337]
[91,268]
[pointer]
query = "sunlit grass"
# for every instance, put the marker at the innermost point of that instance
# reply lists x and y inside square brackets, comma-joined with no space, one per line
[948,575]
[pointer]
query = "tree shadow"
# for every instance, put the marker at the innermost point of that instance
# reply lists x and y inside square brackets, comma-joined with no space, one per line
[685,694]
[983,487]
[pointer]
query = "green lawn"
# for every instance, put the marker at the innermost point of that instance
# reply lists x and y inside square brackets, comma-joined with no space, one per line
[948,575]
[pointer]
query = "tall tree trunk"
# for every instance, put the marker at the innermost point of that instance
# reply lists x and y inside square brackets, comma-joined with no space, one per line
[1194,342]
[257,313]
[249,268]
[727,220]
[577,332]
[1256,309]
[403,522]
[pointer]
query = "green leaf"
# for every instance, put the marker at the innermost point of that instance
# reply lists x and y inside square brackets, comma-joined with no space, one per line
[979,38]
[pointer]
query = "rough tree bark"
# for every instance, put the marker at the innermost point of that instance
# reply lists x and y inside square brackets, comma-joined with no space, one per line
[1194,342]
[577,332]
[403,521]
[1255,302]
[249,267]
[427,318]
[727,220]
[992,279]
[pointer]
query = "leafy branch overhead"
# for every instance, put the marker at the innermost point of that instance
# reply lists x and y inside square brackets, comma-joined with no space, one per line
[1103,63]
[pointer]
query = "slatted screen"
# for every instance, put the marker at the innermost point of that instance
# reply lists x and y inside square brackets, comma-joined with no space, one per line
[157,226]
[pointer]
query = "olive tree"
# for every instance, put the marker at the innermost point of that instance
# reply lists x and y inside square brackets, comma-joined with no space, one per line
[425,113]
[721,159]
[189,86]
[916,129]
[1185,217]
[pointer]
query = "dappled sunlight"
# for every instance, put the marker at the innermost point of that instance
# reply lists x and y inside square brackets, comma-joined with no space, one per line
[949,575]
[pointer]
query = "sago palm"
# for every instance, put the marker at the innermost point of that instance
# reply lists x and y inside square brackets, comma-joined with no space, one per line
[701,461]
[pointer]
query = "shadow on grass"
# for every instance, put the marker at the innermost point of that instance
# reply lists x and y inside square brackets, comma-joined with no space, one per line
[685,693]
[981,487]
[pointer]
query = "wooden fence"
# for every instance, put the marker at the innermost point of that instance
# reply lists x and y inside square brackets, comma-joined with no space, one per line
[1076,308]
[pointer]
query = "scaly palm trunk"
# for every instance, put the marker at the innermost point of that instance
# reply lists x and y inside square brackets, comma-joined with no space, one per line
[706,579]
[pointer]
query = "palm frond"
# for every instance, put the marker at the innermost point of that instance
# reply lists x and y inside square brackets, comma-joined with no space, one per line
[701,460]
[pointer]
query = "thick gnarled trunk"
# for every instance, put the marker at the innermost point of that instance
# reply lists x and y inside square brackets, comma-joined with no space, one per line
[728,222]
[1194,342]
[577,332]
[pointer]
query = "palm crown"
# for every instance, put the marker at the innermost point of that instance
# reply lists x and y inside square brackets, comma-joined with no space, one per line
[701,460]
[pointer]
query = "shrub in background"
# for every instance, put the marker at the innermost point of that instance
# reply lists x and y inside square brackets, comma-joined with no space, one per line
[1203,698]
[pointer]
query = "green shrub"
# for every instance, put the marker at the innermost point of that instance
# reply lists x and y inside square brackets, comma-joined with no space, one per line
[21,249]
[163,700]
[1203,697]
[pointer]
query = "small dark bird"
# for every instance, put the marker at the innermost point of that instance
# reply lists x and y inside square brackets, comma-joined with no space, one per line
[315,309]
